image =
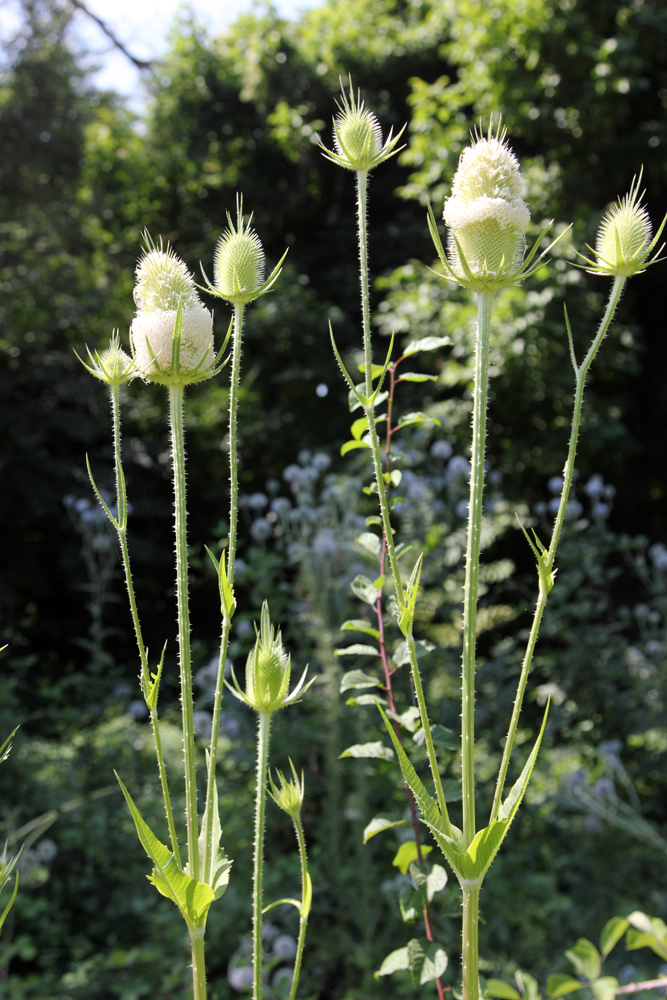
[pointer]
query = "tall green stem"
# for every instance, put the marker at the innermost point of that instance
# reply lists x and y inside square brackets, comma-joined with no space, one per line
[198,964]
[231,557]
[362,189]
[580,382]
[362,186]
[303,923]
[480,394]
[180,530]
[121,501]
[470,941]
[258,867]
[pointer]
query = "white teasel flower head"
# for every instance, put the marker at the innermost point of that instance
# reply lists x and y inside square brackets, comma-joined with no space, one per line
[624,245]
[172,333]
[486,215]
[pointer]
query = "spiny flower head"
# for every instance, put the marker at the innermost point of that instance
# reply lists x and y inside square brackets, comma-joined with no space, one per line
[288,794]
[268,670]
[486,215]
[172,333]
[112,365]
[358,136]
[239,263]
[624,245]
[163,281]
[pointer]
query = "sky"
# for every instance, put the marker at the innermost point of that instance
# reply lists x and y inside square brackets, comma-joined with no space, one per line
[142,26]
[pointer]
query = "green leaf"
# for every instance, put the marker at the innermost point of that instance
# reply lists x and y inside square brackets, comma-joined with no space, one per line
[379,824]
[427,805]
[363,588]
[396,962]
[416,377]
[649,932]
[376,749]
[407,853]
[373,519]
[605,988]
[502,990]
[426,344]
[407,601]
[401,654]
[357,649]
[360,625]
[394,477]
[366,699]
[409,719]
[442,737]
[357,679]
[351,445]
[483,849]
[5,912]
[559,985]
[411,905]
[509,808]
[376,370]
[6,746]
[370,542]
[428,878]
[403,549]
[585,958]
[192,897]
[425,961]
[417,418]
[219,867]
[612,932]
[359,427]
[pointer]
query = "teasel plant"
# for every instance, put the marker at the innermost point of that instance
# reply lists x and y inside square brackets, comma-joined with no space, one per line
[487,219]
[172,344]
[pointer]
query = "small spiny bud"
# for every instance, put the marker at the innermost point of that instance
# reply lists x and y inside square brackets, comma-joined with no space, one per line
[624,238]
[239,262]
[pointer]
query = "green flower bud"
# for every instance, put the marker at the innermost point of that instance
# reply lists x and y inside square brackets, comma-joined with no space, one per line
[288,795]
[487,216]
[238,263]
[624,238]
[268,670]
[358,136]
[112,365]
[172,333]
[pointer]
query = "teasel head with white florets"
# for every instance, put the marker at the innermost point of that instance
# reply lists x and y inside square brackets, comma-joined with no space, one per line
[487,218]
[624,244]
[172,332]
[358,136]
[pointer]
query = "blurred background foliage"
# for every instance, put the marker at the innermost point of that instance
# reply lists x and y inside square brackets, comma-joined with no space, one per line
[582,88]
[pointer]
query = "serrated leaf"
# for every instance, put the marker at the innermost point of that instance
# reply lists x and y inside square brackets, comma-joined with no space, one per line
[585,958]
[357,649]
[397,961]
[370,542]
[417,377]
[351,445]
[502,990]
[193,898]
[219,867]
[428,878]
[559,985]
[357,679]
[427,805]
[604,988]
[360,625]
[407,853]
[426,344]
[425,961]
[377,749]
[363,588]
[612,932]
[379,824]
